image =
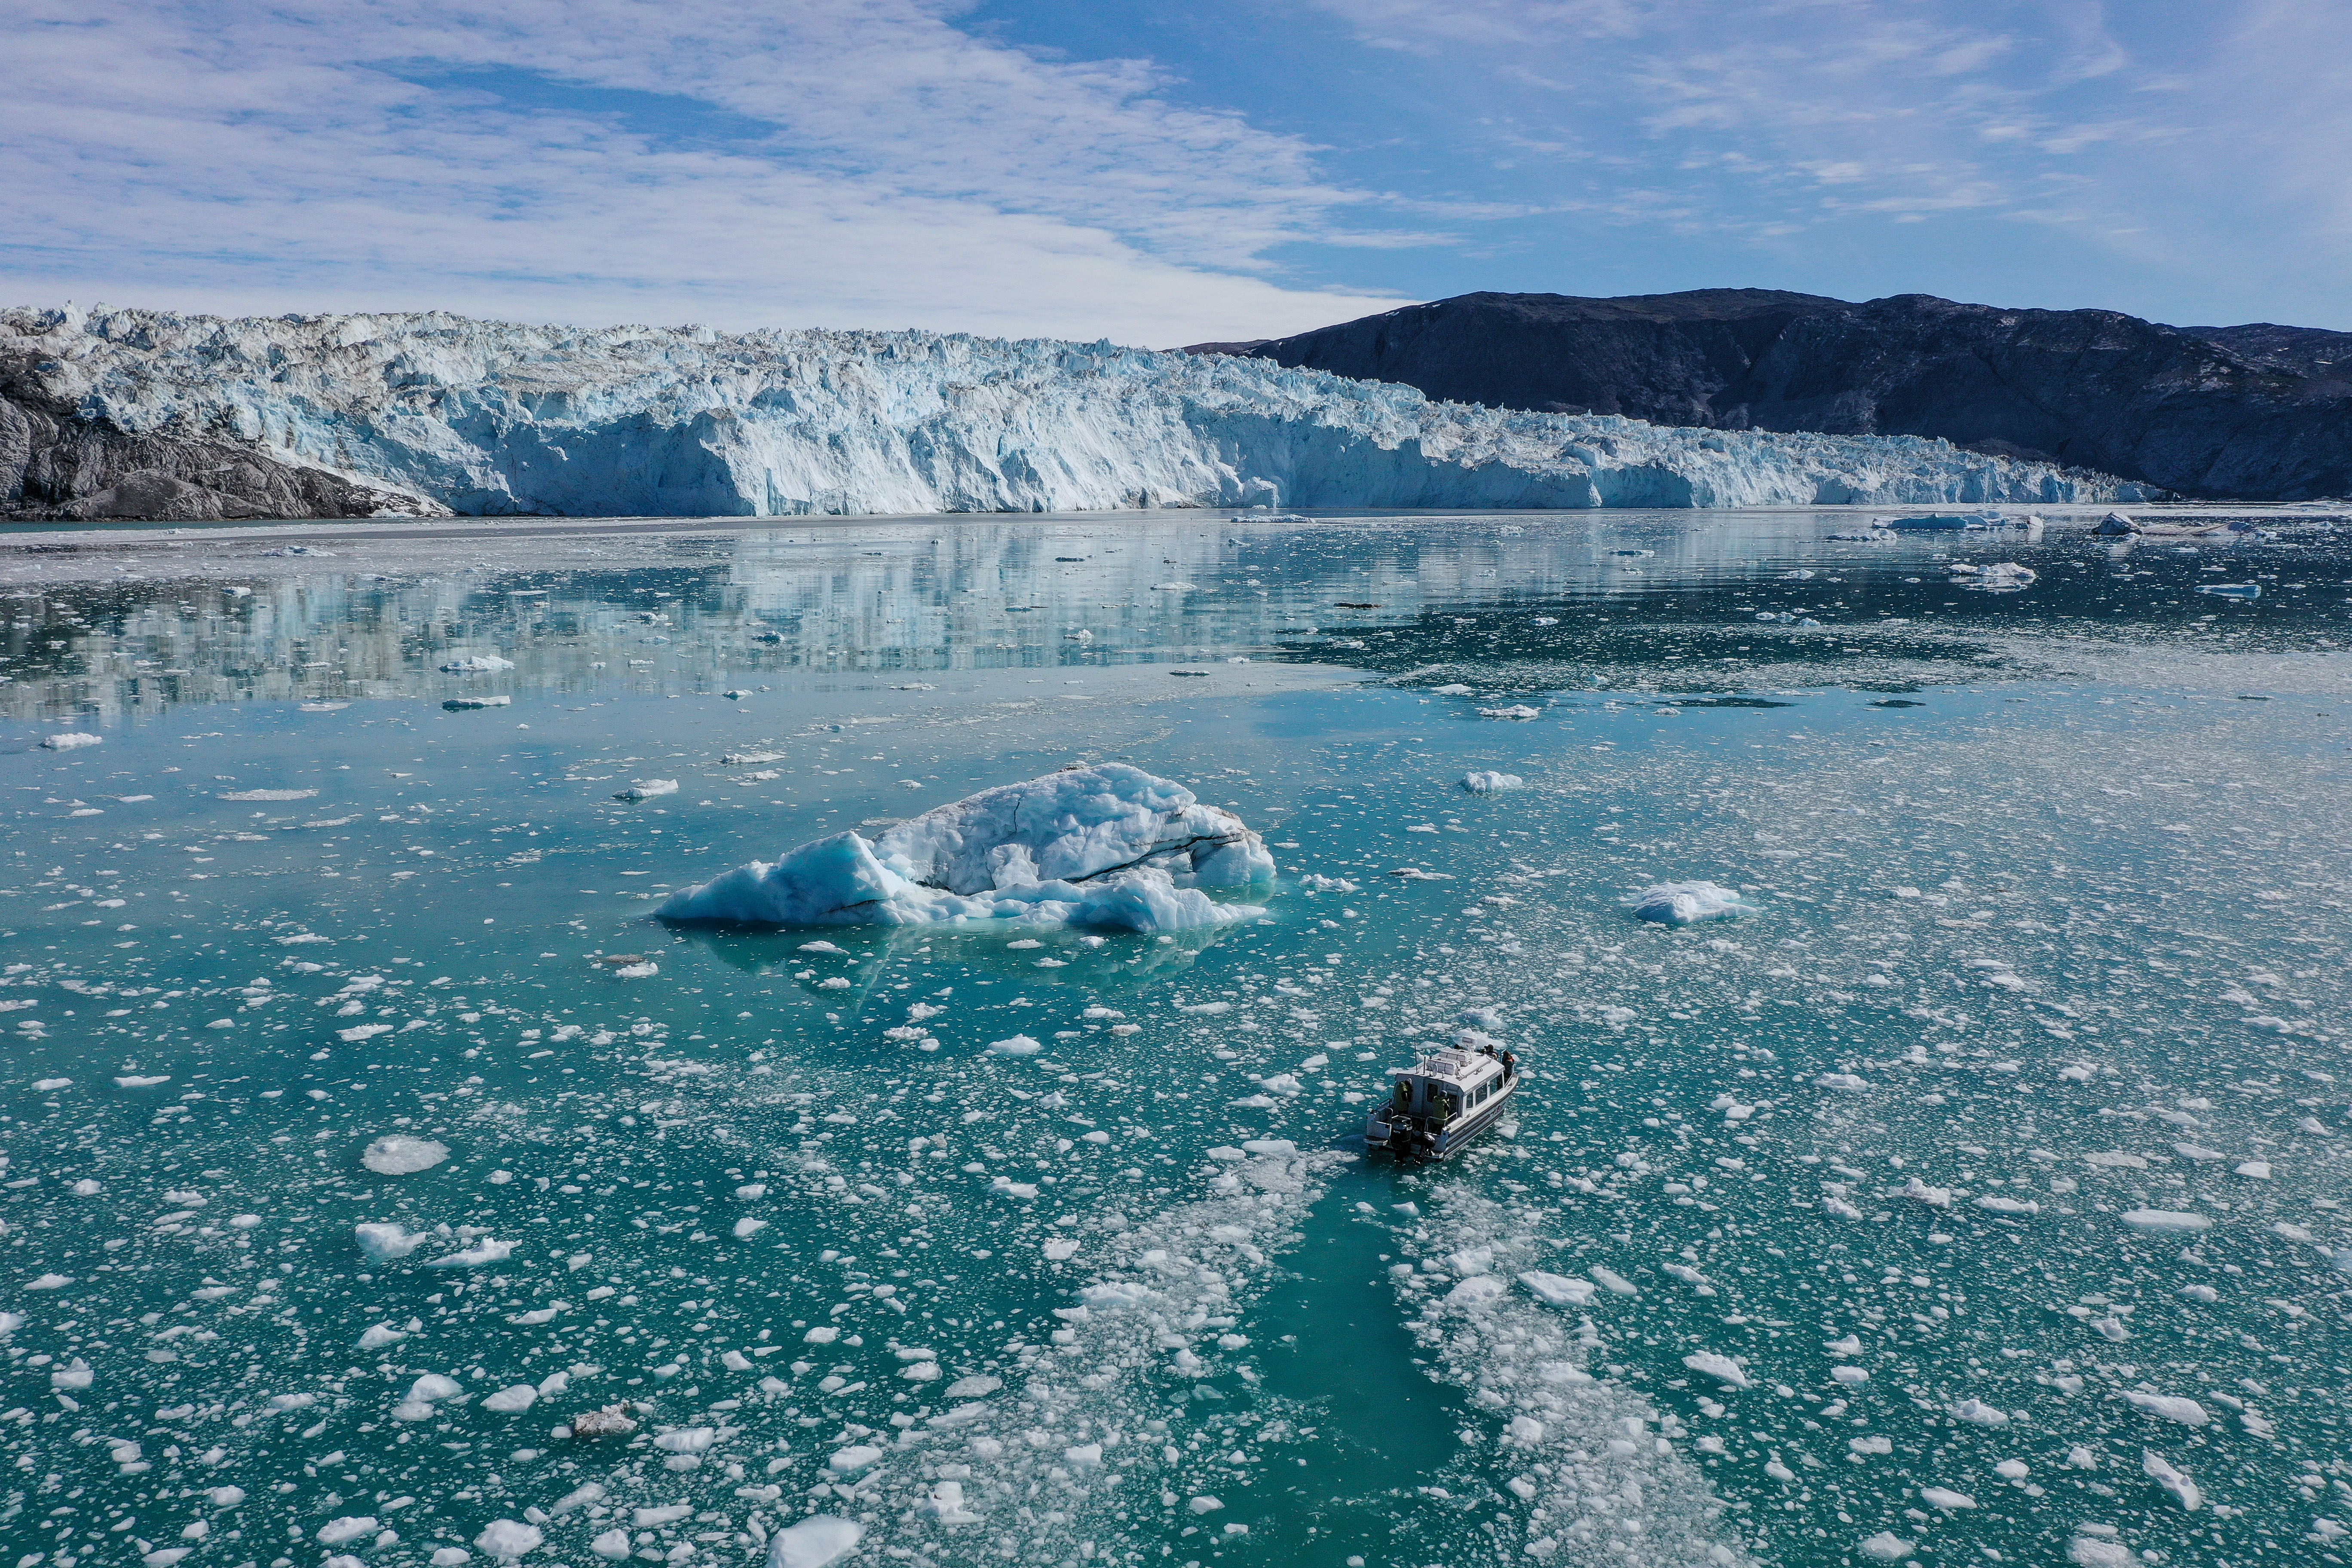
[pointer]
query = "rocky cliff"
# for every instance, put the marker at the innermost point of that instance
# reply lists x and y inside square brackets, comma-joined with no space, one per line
[2252,413]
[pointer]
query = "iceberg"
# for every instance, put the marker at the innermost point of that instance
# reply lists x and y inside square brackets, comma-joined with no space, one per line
[426,411]
[1109,847]
[1687,903]
[1488,781]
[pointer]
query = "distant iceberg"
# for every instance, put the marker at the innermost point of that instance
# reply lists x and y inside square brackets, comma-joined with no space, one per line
[1687,903]
[1109,847]
[489,417]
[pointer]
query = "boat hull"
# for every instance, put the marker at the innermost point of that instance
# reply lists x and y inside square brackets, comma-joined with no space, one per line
[1410,1137]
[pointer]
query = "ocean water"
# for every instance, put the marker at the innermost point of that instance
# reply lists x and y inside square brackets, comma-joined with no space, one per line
[1976,1200]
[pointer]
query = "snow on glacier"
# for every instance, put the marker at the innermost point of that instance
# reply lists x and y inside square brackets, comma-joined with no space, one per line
[494,417]
[1109,846]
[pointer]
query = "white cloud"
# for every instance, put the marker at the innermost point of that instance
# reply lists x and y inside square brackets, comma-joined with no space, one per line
[835,163]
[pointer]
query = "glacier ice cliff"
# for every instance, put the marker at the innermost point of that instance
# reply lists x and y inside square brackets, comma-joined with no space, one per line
[356,412]
[1109,847]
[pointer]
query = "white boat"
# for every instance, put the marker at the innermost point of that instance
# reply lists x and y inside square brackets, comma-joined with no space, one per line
[1442,1103]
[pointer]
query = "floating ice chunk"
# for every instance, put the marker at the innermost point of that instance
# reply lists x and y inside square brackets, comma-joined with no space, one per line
[378,1335]
[1845,1080]
[51,1085]
[1060,1248]
[976,1387]
[71,741]
[1885,1547]
[1999,575]
[1516,710]
[1849,1345]
[2197,1152]
[2232,590]
[2096,1552]
[1476,1291]
[687,1440]
[1945,1498]
[2164,1220]
[850,1461]
[646,789]
[656,1517]
[72,1377]
[1558,1290]
[2160,1470]
[2256,1170]
[946,1504]
[351,1527]
[1998,1204]
[49,1282]
[1490,783]
[2205,1293]
[2168,1407]
[488,1250]
[1838,1209]
[1205,1504]
[1976,1413]
[1920,1191]
[1018,1045]
[1721,1368]
[1616,1284]
[1109,846]
[512,1401]
[139,1082]
[476,664]
[1850,1376]
[507,1539]
[749,1226]
[269,794]
[386,1242]
[823,1334]
[395,1154]
[1686,904]
[1452,688]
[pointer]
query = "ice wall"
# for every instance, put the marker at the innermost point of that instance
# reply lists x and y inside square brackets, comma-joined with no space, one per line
[491,417]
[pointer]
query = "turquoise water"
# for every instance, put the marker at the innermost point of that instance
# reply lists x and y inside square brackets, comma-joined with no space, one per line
[2053,914]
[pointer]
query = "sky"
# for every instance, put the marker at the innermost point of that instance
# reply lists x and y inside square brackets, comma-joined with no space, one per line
[1161,174]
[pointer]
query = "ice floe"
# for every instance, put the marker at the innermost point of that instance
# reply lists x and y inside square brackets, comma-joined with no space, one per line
[1109,847]
[1686,904]
[1490,783]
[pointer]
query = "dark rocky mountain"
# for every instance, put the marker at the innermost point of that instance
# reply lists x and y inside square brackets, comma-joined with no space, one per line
[2256,413]
[60,465]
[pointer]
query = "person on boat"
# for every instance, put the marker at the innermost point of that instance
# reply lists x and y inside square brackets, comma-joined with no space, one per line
[1510,1066]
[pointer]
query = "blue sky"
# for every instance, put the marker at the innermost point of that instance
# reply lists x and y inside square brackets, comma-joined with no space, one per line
[1161,174]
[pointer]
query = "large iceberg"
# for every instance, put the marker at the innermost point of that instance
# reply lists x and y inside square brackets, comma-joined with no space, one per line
[498,418]
[1109,846]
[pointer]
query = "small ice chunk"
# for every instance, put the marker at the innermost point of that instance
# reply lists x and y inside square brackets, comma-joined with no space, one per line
[975,1388]
[386,1242]
[1849,1345]
[1945,1498]
[1687,903]
[2164,1220]
[849,1461]
[2257,1170]
[1018,1045]
[1886,1547]
[70,740]
[511,1401]
[1558,1290]
[2168,1406]
[1721,1368]
[476,664]
[1479,1290]
[1516,710]
[1998,1204]
[507,1539]
[488,1250]
[2160,1470]
[1491,783]
[1616,1284]
[1976,1413]
[395,1154]
[1850,1376]
[1844,1080]
[646,789]
[351,1527]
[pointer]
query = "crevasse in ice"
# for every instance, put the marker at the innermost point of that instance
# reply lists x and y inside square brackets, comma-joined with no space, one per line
[496,418]
[1109,846]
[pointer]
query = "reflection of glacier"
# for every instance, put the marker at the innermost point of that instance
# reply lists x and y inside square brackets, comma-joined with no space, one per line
[892,600]
[495,418]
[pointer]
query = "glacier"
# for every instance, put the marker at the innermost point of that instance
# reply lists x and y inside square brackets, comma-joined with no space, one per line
[432,412]
[1109,847]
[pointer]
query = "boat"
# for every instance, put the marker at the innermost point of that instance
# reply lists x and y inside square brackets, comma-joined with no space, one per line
[1442,1103]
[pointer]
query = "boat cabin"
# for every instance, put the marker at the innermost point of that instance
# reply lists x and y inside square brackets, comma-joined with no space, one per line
[1441,1102]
